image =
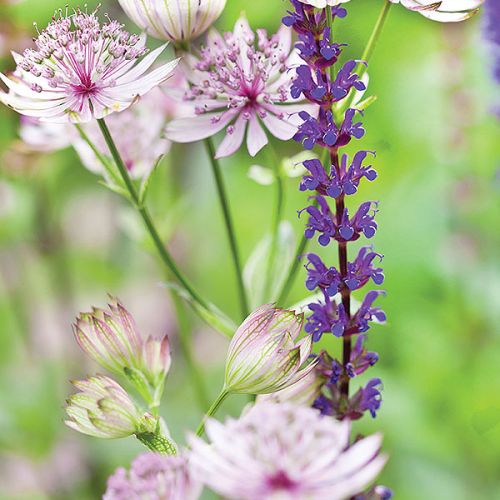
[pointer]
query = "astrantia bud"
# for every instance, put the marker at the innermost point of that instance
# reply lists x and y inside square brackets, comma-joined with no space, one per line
[156,358]
[264,356]
[174,20]
[103,409]
[445,11]
[110,337]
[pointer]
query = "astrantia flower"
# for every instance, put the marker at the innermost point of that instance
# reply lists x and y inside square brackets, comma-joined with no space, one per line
[239,87]
[111,338]
[445,11]
[103,409]
[153,476]
[174,20]
[82,70]
[264,355]
[284,451]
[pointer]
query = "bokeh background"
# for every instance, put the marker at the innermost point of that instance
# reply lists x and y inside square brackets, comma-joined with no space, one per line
[66,241]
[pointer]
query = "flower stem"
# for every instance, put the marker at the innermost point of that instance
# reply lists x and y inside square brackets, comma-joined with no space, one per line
[370,48]
[346,294]
[224,202]
[277,216]
[212,410]
[144,213]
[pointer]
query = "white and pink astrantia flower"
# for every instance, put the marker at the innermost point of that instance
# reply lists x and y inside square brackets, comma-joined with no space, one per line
[154,476]
[264,355]
[82,70]
[445,11]
[175,20]
[240,88]
[284,451]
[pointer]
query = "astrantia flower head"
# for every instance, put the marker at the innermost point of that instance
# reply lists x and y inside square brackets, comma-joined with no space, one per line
[103,409]
[240,83]
[284,451]
[175,20]
[154,476]
[445,11]
[110,337]
[82,70]
[264,355]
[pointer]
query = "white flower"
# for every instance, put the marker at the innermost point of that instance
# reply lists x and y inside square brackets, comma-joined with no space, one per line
[282,451]
[174,20]
[82,70]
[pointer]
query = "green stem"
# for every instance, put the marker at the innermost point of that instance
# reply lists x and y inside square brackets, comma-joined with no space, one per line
[187,352]
[277,216]
[144,213]
[224,202]
[301,247]
[369,49]
[211,411]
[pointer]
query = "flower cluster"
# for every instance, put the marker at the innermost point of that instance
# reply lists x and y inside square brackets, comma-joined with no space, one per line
[241,84]
[284,451]
[334,180]
[81,70]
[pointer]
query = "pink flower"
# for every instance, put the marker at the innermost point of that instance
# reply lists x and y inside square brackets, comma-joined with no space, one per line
[239,87]
[110,337]
[174,20]
[287,452]
[153,476]
[82,70]
[264,355]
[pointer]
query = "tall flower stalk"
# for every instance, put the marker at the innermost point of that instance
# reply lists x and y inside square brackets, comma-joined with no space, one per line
[330,219]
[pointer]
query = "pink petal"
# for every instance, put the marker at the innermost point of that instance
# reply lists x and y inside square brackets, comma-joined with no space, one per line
[198,127]
[256,136]
[232,142]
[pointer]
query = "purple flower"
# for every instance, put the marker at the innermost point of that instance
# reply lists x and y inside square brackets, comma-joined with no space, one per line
[362,269]
[239,83]
[153,476]
[367,398]
[367,313]
[327,317]
[322,221]
[327,279]
[82,70]
[360,359]
[324,131]
[491,29]
[344,181]
[376,493]
[284,451]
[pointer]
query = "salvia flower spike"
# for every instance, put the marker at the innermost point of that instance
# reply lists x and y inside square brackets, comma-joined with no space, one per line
[329,220]
[81,70]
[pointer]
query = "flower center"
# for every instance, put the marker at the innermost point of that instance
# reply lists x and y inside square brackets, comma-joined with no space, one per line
[281,482]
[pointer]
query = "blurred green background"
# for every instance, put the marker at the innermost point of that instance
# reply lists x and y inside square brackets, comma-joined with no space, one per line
[66,241]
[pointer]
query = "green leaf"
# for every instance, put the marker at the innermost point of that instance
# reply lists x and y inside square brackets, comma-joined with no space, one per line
[211,315]
[257,265]
[143,190]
